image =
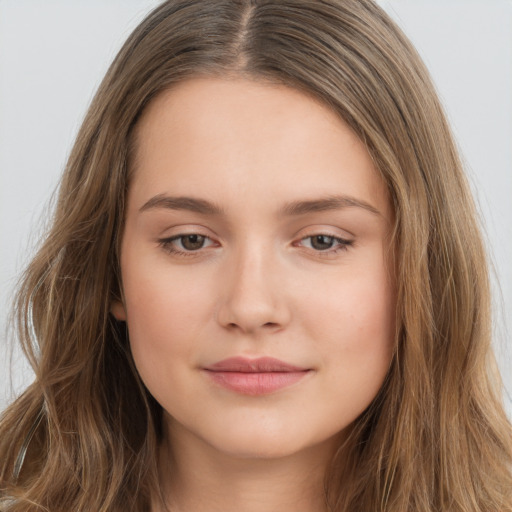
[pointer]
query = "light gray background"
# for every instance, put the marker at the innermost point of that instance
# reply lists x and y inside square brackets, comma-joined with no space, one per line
[53,55]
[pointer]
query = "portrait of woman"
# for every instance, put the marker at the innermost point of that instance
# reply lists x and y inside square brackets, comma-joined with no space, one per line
[264,285]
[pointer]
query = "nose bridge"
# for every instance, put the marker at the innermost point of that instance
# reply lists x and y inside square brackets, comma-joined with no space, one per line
[252,297]
[252,269]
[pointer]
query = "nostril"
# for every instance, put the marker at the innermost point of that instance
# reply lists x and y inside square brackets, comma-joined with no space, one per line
[267,325]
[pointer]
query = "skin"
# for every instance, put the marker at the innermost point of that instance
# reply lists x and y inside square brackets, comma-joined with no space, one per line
[260,285]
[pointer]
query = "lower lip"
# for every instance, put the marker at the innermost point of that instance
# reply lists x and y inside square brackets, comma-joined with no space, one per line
[256,383]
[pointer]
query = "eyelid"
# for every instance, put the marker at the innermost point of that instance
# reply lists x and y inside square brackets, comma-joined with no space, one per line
[326,230]
[166,243]
[343,244]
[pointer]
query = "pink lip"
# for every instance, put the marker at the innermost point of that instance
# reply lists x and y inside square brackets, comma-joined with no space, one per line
[255,376]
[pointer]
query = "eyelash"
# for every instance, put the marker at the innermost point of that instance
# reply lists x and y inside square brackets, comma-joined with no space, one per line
[167,245]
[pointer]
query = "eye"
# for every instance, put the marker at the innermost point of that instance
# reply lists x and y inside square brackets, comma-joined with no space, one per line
[185,244]
[326,243]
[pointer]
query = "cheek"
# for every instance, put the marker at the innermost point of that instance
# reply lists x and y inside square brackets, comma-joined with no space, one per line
[354,324]
[166,317]
[356,306]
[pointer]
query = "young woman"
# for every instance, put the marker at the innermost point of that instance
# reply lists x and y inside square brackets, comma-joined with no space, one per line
[264,287]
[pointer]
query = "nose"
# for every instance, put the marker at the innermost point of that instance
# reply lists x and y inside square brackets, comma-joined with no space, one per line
[253,298]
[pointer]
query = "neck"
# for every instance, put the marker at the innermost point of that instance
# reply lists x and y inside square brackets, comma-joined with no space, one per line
[197,477]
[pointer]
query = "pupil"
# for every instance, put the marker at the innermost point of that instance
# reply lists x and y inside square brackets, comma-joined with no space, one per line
[193,242]
[322,242]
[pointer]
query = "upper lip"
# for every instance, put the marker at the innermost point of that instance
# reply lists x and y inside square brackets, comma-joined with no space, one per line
[259,365]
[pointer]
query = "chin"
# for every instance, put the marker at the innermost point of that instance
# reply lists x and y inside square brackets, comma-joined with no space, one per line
[259,448]
[271,440]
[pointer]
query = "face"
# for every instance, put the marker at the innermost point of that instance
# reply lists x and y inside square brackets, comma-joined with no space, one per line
[257,284]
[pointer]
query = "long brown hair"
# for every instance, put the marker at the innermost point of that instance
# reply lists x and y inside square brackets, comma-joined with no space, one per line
[84,435]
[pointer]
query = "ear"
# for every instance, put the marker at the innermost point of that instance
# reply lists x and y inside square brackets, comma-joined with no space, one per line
[117,309]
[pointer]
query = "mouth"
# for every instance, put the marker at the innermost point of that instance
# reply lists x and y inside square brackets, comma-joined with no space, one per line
[254,377]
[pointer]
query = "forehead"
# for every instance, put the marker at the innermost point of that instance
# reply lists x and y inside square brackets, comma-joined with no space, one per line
[221,136]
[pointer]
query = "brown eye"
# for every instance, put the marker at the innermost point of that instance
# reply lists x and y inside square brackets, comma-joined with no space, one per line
[187,244]
[327,244]
[192,242]
[322,242]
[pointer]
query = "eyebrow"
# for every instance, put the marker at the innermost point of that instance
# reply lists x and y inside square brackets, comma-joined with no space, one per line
[295,208]
[182,203]
[322,204]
